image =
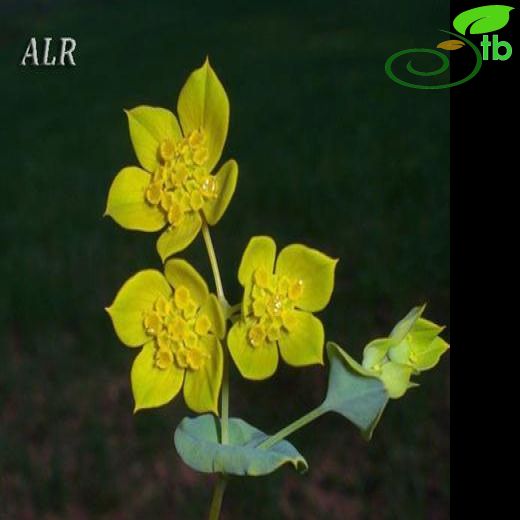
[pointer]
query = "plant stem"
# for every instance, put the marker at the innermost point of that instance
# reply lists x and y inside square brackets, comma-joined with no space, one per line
[218,495]
[224,435]
[234,309]
[291,428]
[224,416]
[214,263]
[220,486]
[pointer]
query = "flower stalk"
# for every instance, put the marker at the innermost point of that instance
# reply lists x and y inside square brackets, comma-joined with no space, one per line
[224,417]
[220,486]
[218,495]
[293,427]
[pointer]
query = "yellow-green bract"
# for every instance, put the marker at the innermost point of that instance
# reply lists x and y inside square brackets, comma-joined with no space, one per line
[412,347]
[277,306]
[175,188]
[180,325]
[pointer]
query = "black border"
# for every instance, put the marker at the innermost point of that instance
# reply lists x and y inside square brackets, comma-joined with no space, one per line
[484,141]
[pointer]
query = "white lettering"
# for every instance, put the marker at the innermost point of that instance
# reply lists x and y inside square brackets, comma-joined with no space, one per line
[46,53]
[68,52]
[31,53]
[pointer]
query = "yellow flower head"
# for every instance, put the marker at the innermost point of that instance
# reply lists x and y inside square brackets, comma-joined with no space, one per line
[277,306]
[176,186]
[180,325]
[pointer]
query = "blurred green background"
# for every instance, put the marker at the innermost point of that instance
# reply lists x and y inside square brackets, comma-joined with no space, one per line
[331,154]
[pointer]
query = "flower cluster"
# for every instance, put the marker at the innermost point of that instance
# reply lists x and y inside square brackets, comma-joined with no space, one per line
[175,188]
[179,325]
[277,305]
[173,317]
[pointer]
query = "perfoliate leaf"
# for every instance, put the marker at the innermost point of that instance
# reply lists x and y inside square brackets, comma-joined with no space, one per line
[481,20]
[197,443]
[451,45]
[353,391]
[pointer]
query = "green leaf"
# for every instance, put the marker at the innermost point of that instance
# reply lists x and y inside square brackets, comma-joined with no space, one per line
[197,443]
[353,391]
[481,20]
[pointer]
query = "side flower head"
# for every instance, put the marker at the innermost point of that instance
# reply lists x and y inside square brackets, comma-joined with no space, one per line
[413,346]
[175,188]
[277,305]
[179,325]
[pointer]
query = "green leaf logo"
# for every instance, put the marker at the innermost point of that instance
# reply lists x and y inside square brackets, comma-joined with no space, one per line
[481,20]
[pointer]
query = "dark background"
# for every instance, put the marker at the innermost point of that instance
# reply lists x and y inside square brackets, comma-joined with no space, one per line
[331,153]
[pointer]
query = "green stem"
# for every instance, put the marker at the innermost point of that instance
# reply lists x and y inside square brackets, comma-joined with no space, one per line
[218,495]
[220,486]
[224,435]
[294,426]
[234,309]
[214,263]
[224,416]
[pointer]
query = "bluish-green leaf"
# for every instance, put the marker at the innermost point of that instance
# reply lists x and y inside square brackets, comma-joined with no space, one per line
[354,391]
[197,443]
[481,20]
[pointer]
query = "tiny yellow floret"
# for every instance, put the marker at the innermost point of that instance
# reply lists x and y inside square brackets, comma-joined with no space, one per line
[182,297]
[152,323]
[196,138]
[167,150]
[163,358]
[195,359]
[256,335]
[154,193]
[202,325]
